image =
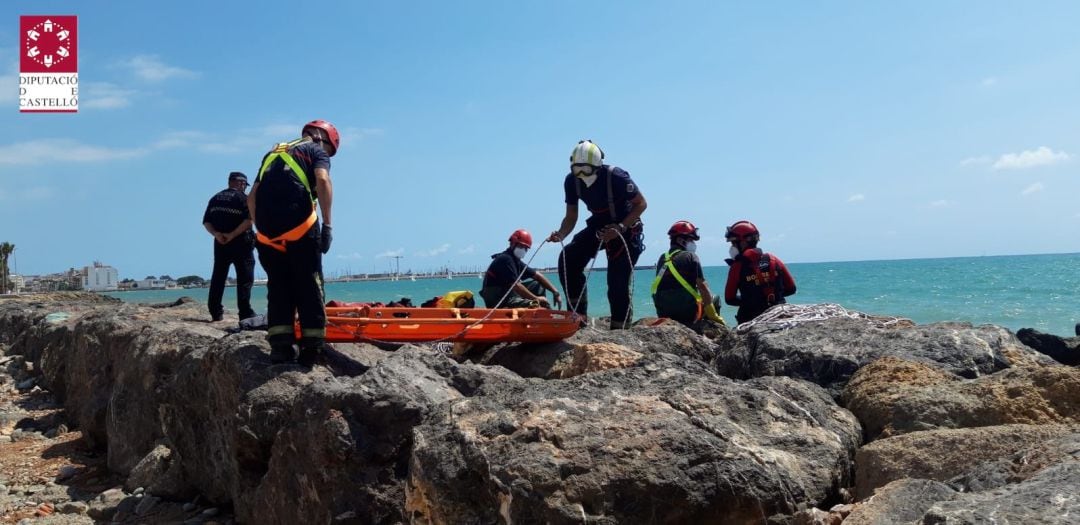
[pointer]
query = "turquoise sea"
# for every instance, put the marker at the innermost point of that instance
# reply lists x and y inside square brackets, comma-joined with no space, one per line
[1033,291]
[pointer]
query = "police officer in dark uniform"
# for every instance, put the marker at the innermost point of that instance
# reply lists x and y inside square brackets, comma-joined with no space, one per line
[293,179]
[227,219]
[680,291]
[615,204]
[504,272]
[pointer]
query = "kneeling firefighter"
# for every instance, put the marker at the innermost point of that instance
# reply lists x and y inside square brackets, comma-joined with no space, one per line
[294,177]
[673,295]
[502,289]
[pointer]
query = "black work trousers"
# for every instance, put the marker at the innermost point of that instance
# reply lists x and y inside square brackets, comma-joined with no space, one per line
[294,287]
[677,305]
[238,253]
[513,300]
[621,260]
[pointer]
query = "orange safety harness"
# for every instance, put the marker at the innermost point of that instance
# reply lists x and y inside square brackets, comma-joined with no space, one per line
[281,151]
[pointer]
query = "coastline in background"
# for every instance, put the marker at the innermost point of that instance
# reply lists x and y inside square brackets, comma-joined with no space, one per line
[1016,291]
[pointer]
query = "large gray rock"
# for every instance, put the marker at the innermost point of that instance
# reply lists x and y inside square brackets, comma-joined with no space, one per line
[347,443]
[900,502]
[667,440]
[1049,497]
[943,454]
[1065,350]
[227,404]
[557,360]
[891,396]
[829,352]
[1020,466]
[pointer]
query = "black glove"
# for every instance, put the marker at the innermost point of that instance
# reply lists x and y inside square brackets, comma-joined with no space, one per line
[325,238]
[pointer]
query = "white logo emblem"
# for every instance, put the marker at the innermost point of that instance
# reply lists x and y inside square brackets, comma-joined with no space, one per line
[45,43]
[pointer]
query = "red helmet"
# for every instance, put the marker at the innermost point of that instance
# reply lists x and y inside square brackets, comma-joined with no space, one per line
[743,231]
[521,237]
[331,132]
[683,229]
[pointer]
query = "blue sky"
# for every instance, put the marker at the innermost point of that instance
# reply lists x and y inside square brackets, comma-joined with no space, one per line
[845,130]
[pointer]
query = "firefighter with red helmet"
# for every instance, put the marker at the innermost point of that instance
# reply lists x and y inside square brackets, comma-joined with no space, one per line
[508,272]
[756,280]
[680,291]
[292,189]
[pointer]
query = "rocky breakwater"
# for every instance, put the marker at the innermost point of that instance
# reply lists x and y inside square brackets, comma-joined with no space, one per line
[651,424]
[962,424]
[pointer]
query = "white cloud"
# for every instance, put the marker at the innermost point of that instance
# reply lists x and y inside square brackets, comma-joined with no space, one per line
[468,249]
[391,253]
[103,95]
[180,139]
[27,194]
[434,251]
[152,69]
[989,81]
[244,139]
[45,151]
[350,256]
[1034,188]
[939,203]
[971,161]
[856,198]
[9,83]
[1042,156]
[351,133]
[62,150]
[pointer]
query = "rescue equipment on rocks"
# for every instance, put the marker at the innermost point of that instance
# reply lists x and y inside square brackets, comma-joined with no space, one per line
[472,325]
[784,316]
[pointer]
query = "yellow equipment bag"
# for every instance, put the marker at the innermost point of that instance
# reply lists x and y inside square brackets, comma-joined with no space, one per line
[460,299]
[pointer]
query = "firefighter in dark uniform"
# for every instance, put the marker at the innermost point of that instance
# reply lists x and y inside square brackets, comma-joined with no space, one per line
[680,291]
[503,275]
[227,219]
[615,205]
[756,280]
[294,177]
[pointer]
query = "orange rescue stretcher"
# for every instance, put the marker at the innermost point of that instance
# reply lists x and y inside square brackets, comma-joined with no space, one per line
[471,325]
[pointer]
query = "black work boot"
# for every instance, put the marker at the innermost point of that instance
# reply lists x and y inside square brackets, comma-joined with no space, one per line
[282,352]
[310,350]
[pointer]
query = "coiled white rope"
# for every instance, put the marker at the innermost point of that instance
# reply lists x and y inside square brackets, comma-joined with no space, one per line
[784,316]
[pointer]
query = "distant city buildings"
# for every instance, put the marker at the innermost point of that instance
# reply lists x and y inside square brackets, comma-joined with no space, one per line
[54,282]
[100,278]
[18,283]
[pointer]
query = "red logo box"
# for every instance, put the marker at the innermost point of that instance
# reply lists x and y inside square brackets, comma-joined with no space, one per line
[49,44]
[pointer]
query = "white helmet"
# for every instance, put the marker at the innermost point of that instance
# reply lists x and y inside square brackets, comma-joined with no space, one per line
[587,153]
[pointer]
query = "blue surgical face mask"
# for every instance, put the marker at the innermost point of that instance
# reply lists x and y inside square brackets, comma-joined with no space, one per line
[691,246]
[733,251]
[520,252]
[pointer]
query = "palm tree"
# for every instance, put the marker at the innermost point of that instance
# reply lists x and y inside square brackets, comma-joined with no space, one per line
[5,251]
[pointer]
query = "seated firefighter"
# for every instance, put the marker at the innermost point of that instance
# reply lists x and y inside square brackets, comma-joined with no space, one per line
[679,291]
[510,283]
